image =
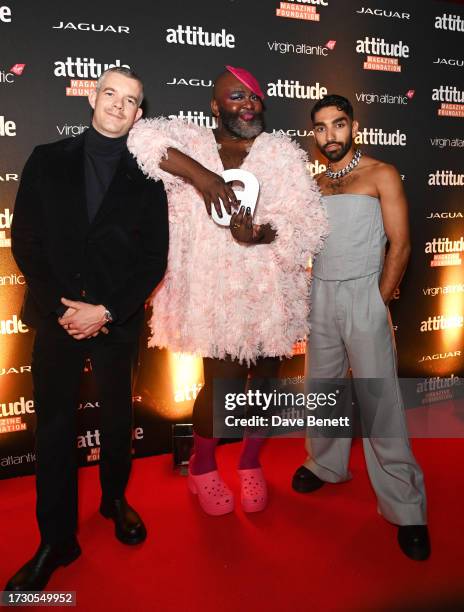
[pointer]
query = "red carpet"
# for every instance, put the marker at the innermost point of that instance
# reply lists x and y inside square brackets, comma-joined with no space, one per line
[325,551]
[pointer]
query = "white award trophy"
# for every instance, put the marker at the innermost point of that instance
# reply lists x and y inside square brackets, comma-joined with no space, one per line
[248,196]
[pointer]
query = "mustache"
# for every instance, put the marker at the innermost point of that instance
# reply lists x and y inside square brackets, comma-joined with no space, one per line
[333,142]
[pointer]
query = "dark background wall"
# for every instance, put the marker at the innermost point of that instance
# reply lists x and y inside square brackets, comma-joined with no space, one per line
[321,49]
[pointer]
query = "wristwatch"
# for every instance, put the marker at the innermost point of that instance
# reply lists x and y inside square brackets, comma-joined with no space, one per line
[108,316]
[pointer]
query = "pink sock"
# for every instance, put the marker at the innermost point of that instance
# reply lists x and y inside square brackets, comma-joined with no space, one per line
[204,459]
[249,458]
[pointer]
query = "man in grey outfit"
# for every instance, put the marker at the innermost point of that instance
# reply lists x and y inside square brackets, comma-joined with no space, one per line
[351,327]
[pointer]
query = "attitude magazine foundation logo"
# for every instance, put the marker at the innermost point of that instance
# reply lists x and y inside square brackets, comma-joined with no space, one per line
[382,55]
[13,413]
[301,9]
[445,251]
[452,101]
[83,72]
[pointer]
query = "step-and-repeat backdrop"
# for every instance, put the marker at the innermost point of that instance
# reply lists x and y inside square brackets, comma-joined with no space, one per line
[402,65]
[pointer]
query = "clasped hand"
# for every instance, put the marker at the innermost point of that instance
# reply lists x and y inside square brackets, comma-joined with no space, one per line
[82,320]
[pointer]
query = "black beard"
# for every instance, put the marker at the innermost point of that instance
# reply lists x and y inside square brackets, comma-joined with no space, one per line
[240,128]
[335,156]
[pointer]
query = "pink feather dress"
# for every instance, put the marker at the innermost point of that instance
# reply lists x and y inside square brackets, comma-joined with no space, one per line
[219,297]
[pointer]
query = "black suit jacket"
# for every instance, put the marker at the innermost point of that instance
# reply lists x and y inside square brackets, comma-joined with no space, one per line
[117,260]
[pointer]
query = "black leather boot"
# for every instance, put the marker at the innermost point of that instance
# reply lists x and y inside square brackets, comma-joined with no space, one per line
[129,527]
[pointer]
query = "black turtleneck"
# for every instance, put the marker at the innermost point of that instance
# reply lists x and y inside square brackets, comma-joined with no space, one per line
[102,155]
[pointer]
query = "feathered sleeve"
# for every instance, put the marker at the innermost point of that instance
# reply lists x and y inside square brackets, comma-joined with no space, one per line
[293,204]
[150,139]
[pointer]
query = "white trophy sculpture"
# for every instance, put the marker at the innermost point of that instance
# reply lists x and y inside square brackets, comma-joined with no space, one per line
[248,196]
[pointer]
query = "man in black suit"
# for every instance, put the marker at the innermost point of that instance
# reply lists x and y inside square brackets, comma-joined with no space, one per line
[90,234]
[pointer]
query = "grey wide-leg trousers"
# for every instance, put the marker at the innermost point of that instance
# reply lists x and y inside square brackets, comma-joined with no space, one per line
[351,327]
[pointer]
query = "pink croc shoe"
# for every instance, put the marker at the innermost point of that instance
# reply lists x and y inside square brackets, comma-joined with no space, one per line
[254,490]
[214,495]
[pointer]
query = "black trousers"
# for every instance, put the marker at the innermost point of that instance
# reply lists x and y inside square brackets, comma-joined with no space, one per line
[57,367]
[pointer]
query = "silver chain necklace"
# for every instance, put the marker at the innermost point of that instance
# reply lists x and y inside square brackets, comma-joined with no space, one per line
[344,171]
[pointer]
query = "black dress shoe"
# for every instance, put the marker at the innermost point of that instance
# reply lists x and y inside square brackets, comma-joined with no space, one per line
[36,573]
[129,527]
[414,541]
[305,481]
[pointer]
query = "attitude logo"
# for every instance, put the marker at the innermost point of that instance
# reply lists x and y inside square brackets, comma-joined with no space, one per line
[301,9]
[377,137]
[8,76]
[446,178]
[284,47]
[442,323]
[196,36]
[452,101]
[453,23]
[382,55]
[293,89]
[196,117]
[446,252]
[83,72]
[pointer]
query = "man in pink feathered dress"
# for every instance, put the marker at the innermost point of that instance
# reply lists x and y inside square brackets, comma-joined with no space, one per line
[241,307]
